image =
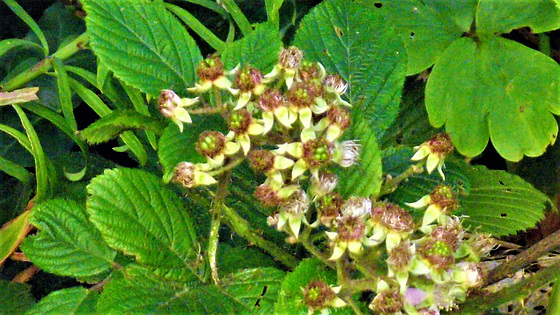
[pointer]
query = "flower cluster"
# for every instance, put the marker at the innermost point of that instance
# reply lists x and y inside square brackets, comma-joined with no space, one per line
[288,125]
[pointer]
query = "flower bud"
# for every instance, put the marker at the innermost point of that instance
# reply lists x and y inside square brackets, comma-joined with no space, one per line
[210,69]
[393,217]
[318,295]
[335,84]
[348,153]
[350,228]
[261,160]
[400,256]
[290,58]
[438,253]
[435,149]
[268,196]
[239,121]
[328,208]
[192,175]
[248,78]
[317,152]
[357,207]
[387,302]
[309,70]
[271,99]
[211,143]
[323,184]
[445,198]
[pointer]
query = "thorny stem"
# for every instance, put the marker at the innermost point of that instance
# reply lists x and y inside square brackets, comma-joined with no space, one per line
[485,301]
[524,258]
[391,183]
[216,212]
[242,228]
[44,65]
[226,168]
[304,240]
[206,110]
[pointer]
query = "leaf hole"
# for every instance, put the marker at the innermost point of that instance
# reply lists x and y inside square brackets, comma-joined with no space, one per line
[501,183]
[503,215]
[538,308]
[508,190]
[378,5]
[521,109]
[258,303]
[412,35]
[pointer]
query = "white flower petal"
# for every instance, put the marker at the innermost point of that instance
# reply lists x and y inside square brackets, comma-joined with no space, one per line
[432,162]
[222,82]
[338,250]
[255,129]
[244,98]
[299,168]
[305,115]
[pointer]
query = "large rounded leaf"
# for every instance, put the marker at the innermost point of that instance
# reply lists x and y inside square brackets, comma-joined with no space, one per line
[499,16]
[429,26]
[498,89]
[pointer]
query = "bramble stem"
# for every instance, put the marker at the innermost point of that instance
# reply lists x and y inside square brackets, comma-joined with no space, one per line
[242,228]
[216,212]
[478,304]
[524,258]
[304,240]
[392,183]
[44,65]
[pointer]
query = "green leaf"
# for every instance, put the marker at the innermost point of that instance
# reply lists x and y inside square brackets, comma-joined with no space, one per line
[111,126]
[141,292]
[71,301]
[15,170]
[11,235]
[15,298]
[353,39]
[290,299]
[272,11]
[11,43]
[240,19]
[257,289]
[260,49]
[46,178]
[197,26]
[139,216]
[64,93]
[234,258]
[498,89]
[412,126]
[20,12]
[143,44]
[365,177]
[100,108]
[67,243]
[497,16]
[429,26]
[501,203]
[175,146]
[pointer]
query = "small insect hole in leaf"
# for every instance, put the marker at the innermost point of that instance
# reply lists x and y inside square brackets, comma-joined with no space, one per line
[378,5]
[503,215]
[412,35]
[501,183]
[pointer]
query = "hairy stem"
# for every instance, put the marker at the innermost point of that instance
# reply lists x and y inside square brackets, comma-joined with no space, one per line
[216,212]
[391,183]
[242,228]
[523,259]
[304,240]
[478,304]
[43,66]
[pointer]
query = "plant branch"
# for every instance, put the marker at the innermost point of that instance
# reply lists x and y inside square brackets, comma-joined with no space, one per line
[478,304]
[523,259]
[304,240]
[44,65]
[242,227]
[216,212]
[391,183]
